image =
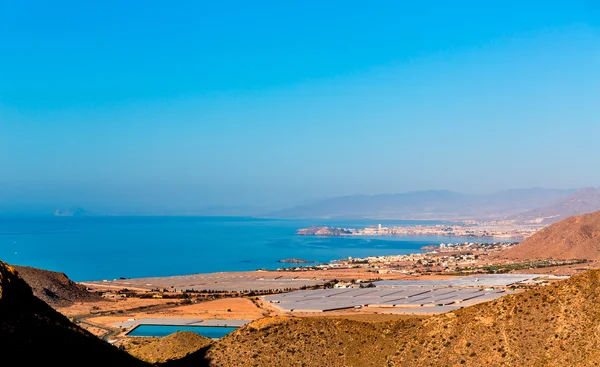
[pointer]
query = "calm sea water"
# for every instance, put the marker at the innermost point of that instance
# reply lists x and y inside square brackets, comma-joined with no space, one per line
[95,248]
[213,332]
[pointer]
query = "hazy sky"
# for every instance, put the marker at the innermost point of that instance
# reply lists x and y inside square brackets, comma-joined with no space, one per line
[164,105]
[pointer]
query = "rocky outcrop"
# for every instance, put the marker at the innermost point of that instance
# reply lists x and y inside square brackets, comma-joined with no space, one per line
[34,334]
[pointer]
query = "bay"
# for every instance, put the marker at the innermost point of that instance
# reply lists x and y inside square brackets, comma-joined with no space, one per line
[96,248]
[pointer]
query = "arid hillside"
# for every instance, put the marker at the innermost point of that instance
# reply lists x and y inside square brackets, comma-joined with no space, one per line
[556,325]
[160,350]
[576,237]
[54,288]
[33,334]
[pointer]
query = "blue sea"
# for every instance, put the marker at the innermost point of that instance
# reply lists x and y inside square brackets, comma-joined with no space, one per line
[96,248]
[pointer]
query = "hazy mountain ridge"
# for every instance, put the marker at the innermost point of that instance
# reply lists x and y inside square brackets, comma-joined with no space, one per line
[582,201]
[533,205]
[432,204]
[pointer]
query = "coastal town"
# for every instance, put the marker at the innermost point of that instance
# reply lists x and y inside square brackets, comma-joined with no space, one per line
[471,230]
[445,259]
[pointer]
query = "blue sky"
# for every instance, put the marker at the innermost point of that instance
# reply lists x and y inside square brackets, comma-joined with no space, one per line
[166,106]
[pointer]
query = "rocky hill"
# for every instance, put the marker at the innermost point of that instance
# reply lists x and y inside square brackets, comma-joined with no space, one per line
[160,350]
[576,237]
[322,231]
[556,325]
[54,288]
[580,202]
[33,334]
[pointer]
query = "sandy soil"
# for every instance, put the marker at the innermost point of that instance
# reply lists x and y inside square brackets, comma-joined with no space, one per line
[86,308]
[240,309]
[94,330]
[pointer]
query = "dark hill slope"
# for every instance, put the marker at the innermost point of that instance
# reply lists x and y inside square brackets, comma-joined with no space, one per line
[33,334]
[54,288]
[576,237]
[557,325]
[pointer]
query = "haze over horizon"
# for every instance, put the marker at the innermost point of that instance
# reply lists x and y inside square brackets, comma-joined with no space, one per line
[117,107]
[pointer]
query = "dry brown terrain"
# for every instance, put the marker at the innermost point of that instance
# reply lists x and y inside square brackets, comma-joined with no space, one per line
[576,237]
[160,350]
[99,332]
[54,288]
[124,305]
[556,325]
[225,309]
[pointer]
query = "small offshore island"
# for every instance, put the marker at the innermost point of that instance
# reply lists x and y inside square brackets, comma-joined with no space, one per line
[472,230]
[296,261]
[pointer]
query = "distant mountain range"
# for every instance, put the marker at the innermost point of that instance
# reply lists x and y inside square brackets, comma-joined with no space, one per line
[580,202]
[533,205]
[523,205]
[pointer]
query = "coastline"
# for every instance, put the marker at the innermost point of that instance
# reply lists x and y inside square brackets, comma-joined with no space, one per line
[456,230]
[194,245]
